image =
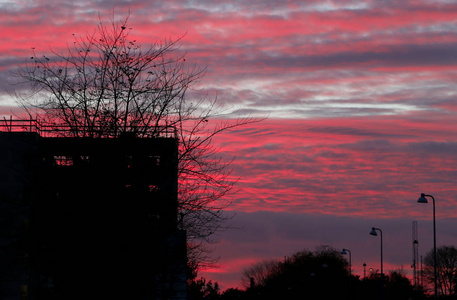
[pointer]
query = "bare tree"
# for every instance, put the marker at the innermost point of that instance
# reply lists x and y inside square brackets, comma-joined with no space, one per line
[260,272]
[105,84]
[446,263]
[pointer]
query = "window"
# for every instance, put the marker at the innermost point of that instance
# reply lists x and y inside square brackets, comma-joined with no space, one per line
[128,160]
[84,158]
[63,161]
[153,160]
[153,188]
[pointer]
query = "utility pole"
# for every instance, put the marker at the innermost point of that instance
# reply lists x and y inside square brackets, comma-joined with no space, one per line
[415,241]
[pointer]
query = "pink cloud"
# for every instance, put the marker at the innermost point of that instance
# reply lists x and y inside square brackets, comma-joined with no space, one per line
[311,165]
[361,98]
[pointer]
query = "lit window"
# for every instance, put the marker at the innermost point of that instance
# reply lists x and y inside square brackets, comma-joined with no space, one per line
[63,161]
[153,188]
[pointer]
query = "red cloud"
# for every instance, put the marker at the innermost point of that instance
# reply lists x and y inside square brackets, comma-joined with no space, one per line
[343,166]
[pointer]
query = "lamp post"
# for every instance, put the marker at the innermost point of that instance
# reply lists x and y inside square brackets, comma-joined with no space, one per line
[423,199]
[373,232]
[344,252]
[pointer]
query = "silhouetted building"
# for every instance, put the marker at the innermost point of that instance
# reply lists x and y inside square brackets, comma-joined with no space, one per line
[89,218]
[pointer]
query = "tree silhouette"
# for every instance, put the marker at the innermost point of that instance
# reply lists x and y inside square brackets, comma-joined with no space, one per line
[446,263]
[258,273]
[105,85]
[319,274]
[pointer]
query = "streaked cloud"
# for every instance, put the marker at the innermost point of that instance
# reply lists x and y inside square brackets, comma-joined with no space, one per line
[360,95]
[312,165]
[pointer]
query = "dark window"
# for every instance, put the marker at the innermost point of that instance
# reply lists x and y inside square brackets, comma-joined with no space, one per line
[153,160]
[128,161]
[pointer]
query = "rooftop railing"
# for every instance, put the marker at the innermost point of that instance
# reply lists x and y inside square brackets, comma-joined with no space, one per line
[59,130]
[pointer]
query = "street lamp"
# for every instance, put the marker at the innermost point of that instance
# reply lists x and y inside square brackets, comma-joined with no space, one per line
[423,199]
[344,252]
[373,232]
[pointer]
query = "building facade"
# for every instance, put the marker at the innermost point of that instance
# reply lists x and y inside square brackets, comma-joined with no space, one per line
[89,218]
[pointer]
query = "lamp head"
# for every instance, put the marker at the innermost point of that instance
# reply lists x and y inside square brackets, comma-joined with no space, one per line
[422,199]
[344,252]
[373,232]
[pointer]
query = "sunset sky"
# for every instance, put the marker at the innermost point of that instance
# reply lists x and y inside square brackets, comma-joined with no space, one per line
[360,101]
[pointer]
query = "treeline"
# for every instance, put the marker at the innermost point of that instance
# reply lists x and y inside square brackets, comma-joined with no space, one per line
[320,274]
